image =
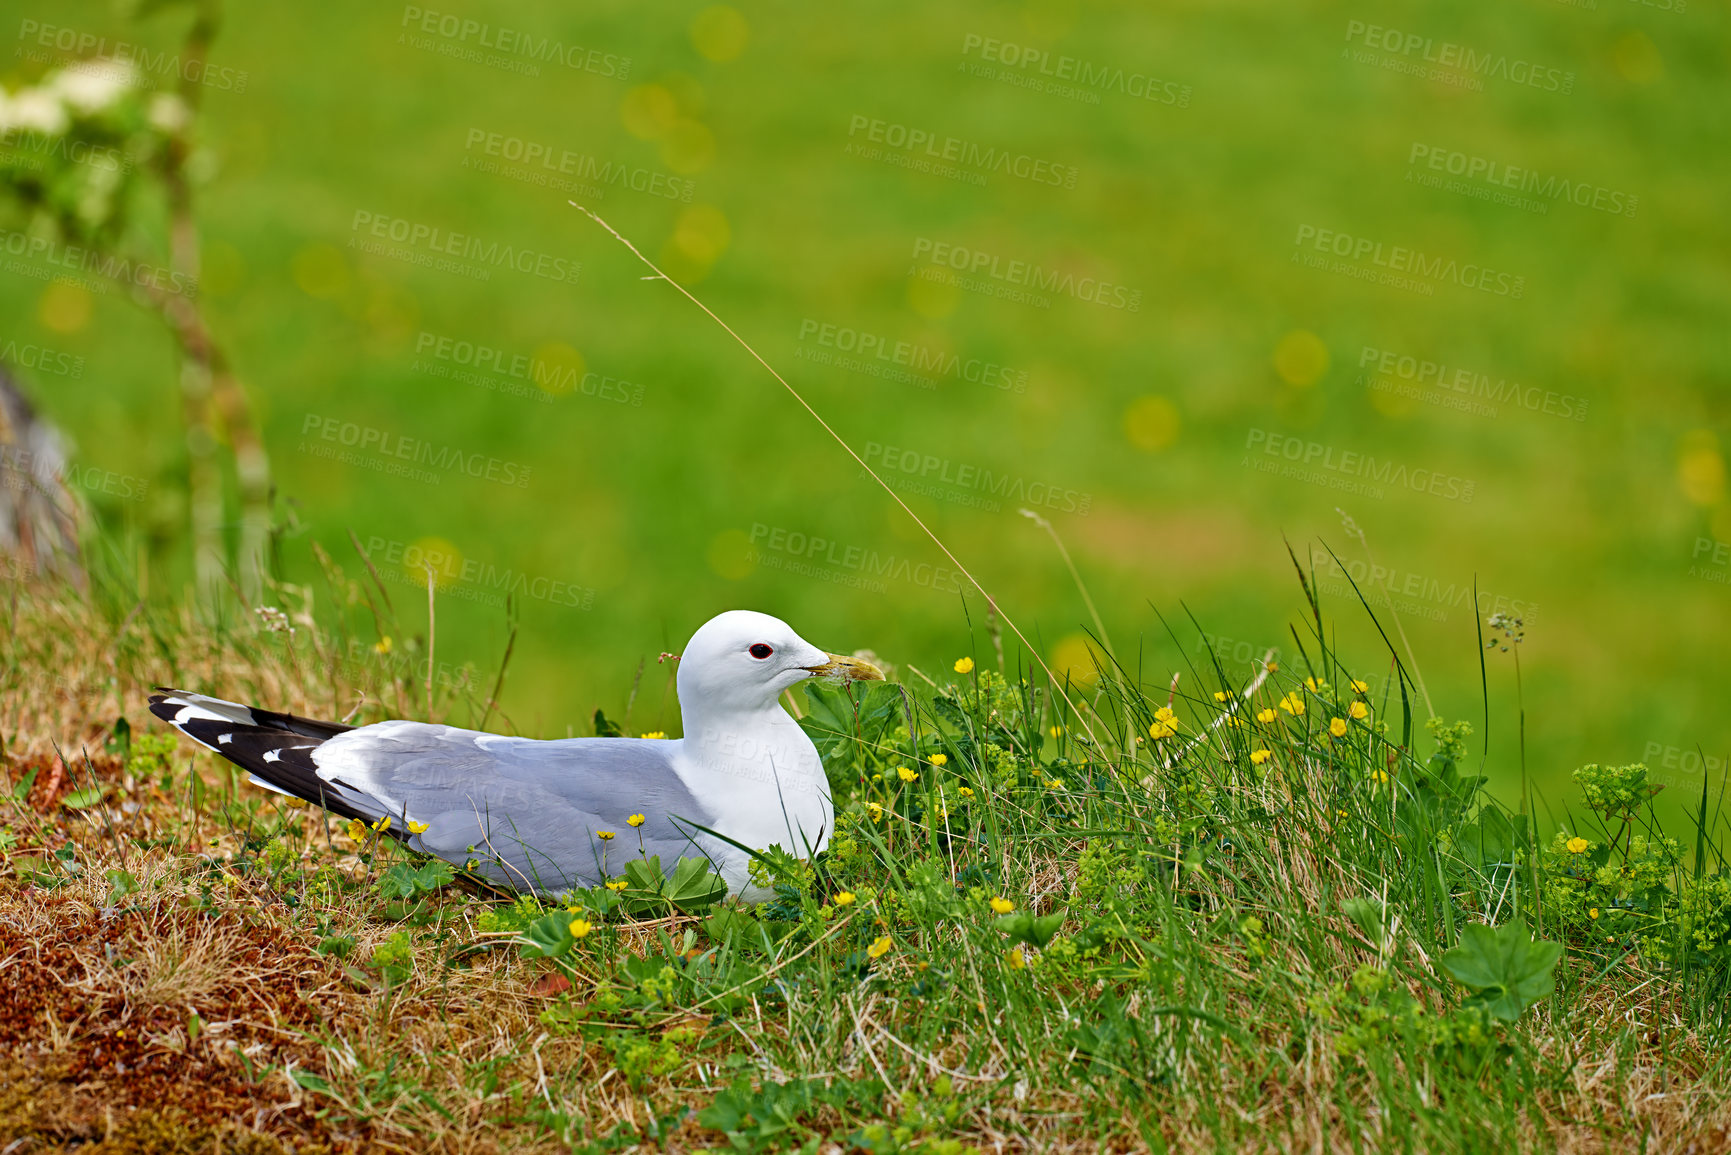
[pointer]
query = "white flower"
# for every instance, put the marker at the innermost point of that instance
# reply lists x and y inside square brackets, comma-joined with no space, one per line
[92,85]
[34,110]
[167,113]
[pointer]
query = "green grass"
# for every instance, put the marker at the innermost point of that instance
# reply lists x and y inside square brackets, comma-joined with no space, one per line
[1082,923]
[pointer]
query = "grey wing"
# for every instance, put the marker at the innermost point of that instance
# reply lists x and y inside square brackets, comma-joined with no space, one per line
[531,814]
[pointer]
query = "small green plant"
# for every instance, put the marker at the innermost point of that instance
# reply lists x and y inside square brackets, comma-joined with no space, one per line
[395,958]
[1504,967]
[407,882]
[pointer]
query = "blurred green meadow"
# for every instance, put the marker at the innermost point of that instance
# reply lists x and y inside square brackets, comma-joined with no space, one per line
[1440,288]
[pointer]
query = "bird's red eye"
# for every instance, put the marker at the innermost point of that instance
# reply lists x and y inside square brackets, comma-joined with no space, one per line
[760,651]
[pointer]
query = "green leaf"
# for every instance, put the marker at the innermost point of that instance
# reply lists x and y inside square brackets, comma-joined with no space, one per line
[1024,927]
[604,728]
[120,739]
[120,884]
[82,799]
[746,930]
[694,886]
[549,936]
[434,874]
[22,790]
[1367,915]
[400,881]
[340,945]
[1505,968]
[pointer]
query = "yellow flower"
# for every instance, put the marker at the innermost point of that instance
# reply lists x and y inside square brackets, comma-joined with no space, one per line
[635,820]
[1003,905]
[383,824]
[965,792]
[879,948]
[844,898]
[1258,757]
[580,927]
[1016,959]
[1266,715]
[1594,913]
[905,774]
[1221,696]
[1054,783]
[604,835]
[1311,682]
[964,665]
[1164,714]
[1358,710]
[1379,776]
[876,810]
[1161,730]
[1337,727]
[1292,703]
[617,884]
[357,830]
[417,827]
[1054,731]
[383,645]
[654,734]
[939,759]
[1359,687]
[1577,845]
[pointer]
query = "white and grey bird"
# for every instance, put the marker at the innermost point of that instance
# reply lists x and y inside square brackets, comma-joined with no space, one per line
[529,814]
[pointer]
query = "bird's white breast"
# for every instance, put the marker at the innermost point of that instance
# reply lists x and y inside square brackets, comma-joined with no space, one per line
[765,785]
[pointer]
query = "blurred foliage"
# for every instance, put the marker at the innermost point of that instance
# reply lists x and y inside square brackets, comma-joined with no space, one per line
[348,153]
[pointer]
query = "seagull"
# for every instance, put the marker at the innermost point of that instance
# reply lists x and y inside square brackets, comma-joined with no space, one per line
[551,816]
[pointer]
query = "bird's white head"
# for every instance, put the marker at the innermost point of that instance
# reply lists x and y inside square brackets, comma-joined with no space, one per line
[742,660]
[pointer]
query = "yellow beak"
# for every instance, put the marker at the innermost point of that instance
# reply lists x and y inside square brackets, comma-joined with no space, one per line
[847,670]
